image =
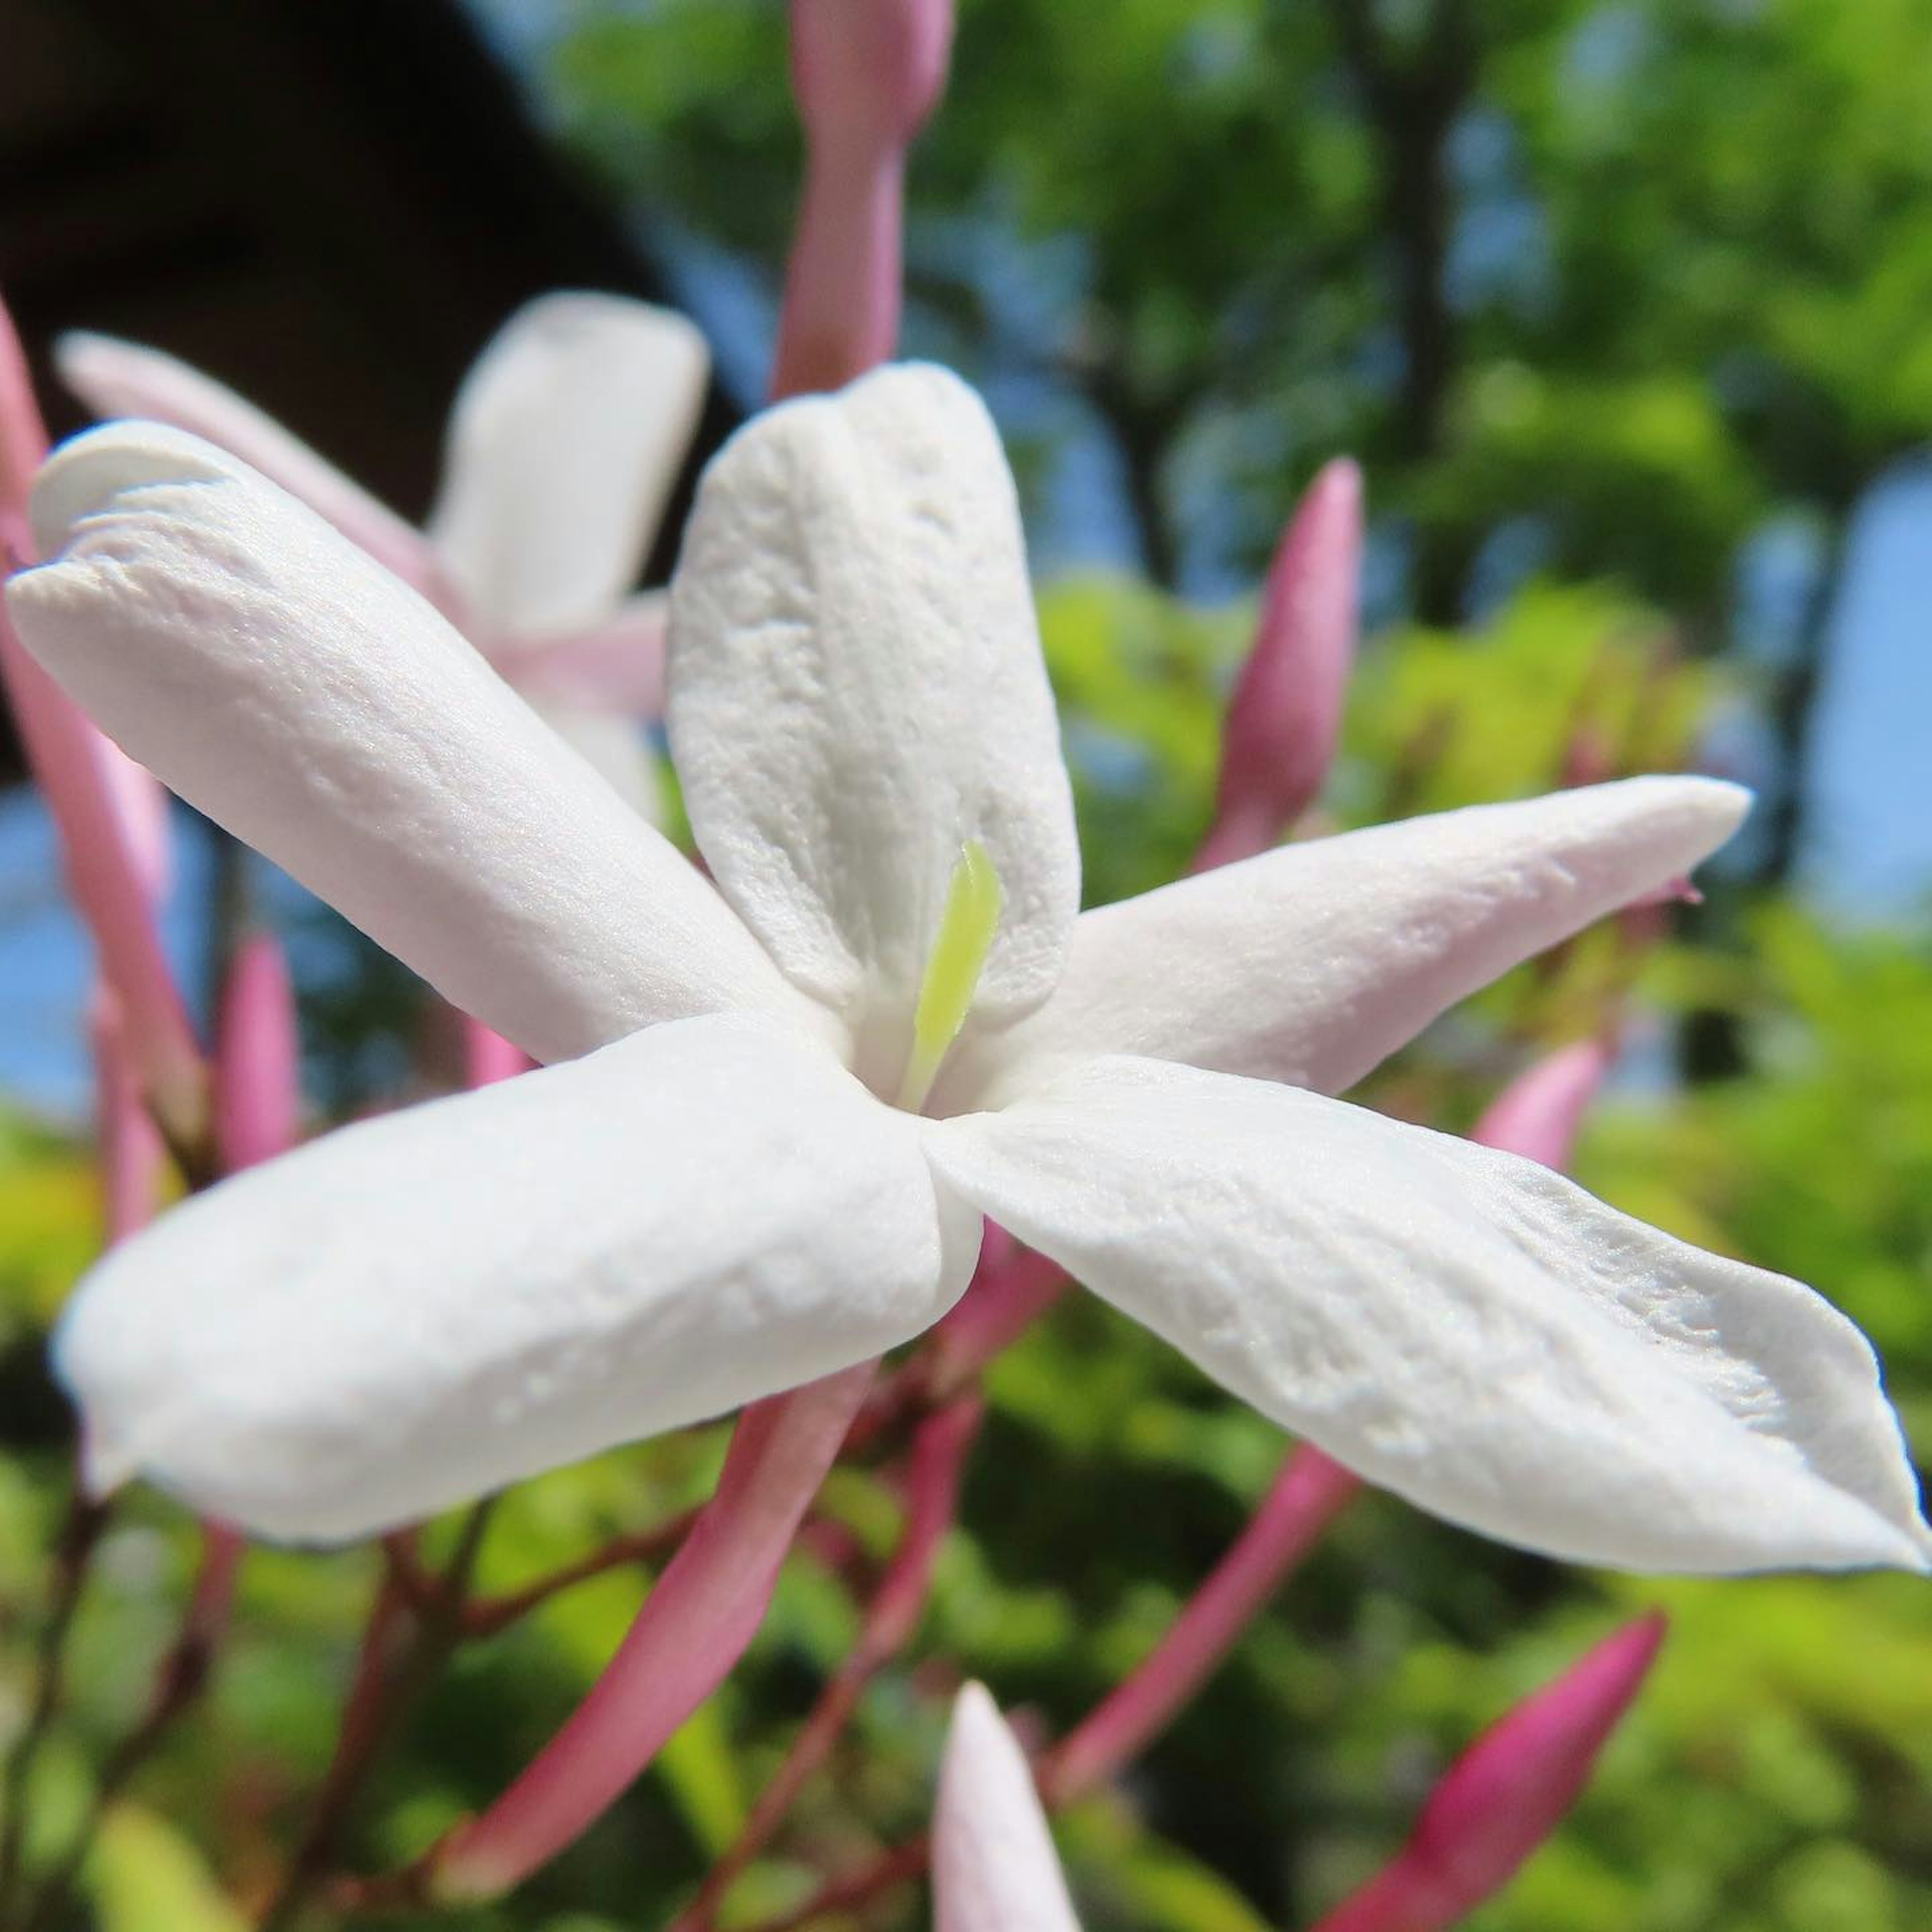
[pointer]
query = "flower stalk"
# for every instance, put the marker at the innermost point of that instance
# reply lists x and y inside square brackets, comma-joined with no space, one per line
[106,851]
[694,1626]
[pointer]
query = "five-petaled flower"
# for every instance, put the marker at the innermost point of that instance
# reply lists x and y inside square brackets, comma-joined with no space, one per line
[758,1160]
[565,439]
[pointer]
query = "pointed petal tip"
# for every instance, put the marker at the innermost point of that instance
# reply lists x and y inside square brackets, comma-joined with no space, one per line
[1719,805]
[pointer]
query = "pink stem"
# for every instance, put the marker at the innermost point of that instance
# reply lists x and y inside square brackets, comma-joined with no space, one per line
[1505,1794]
[1010,1291]
[258,1058]
[938,1455]
[132,1157]
[842,301]
[1310,1492]
[102,847]
[694,1627]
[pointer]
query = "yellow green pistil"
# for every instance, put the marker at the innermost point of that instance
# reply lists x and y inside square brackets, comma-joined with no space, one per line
[952,970]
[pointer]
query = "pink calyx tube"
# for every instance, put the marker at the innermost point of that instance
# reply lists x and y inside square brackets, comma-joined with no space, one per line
[1285,715]
[108,848]
[1506,1794]
[866,73]
[694,1626]
[1310,1492]
[1539,1113]
[257,1058]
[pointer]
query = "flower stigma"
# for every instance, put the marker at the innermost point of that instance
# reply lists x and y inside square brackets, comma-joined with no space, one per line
[958,957]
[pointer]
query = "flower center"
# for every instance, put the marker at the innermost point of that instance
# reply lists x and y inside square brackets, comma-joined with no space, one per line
[952,969]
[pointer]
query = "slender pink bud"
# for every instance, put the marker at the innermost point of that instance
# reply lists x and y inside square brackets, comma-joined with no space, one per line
[695,1624]
[1307,1495]
[1539,1113]
[257,1058]
[866,74]
[1506,1794]
[1285,715]
[108,850]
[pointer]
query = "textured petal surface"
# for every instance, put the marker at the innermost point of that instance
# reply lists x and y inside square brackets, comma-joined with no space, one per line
[567,437]
[1311,963]
[616,748]
[122,379]
[993,1864]
[857,691]
[279,680]
[1461,1326]
[422,1308]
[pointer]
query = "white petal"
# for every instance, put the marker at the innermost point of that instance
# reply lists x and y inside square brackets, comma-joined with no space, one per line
[616,748]
[1311,963]
[857,691]
[567,437]
[281,682]
[993,1864]
[122,379]
[417,1309]
[1462,1326]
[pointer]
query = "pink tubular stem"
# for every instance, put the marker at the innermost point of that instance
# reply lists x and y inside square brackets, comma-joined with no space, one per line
[102,849]
[133,1156]
[694,1626]
[939,1452]
[841,315]
[1504,1795]
[258,1058]
[1307,1495]
[1014,1288]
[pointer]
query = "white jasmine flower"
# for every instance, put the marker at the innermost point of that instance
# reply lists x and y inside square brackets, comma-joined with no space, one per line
[566,438]
[791,1097]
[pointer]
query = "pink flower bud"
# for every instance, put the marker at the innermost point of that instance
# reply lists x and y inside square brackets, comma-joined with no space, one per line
[1285,715]
[1538,1114]
[257,1058]
[1506,1794]
[866,73]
